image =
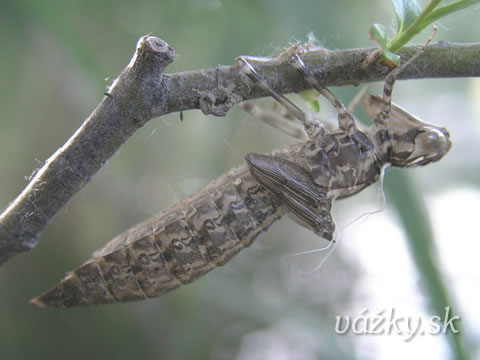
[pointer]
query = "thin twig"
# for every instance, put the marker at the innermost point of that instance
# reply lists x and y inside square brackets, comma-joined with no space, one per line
[142,92]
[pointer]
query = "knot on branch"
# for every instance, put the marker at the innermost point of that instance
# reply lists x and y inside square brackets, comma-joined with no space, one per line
[218,102]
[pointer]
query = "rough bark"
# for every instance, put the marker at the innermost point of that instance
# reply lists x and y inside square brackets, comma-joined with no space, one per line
[142,92]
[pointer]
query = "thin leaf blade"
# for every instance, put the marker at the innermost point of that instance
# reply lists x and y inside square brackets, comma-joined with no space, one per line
[406,11]
[378,33]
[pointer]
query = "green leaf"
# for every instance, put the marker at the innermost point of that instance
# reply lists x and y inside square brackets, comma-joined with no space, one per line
[378,33]
[311,98]
[447,10]
[391,56]
[406,11]
[314,106]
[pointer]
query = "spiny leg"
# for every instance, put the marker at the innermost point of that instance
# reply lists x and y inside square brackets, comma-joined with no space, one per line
[312,127]
[345,120]
[357,99]
[243,63]
[288,181]
[382,118]
[272,120]
[280,111]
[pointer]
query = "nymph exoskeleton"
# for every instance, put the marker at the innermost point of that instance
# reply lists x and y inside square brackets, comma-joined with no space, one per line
[205,230]
[333,165]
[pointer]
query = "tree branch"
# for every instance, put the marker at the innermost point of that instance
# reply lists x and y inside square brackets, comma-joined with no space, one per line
[215,90]
[142,92]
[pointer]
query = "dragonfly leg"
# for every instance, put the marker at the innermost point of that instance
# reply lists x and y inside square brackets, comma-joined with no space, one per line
[357,99]
[271,119]
[312,127]
[345,120]
[382,118]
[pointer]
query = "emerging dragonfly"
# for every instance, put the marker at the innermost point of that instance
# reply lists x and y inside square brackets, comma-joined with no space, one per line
[187,240]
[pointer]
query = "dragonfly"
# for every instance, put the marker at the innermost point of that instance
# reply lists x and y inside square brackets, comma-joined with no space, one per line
[205,230]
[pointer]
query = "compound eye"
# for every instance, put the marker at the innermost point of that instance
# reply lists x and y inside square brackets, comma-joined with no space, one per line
[432,141]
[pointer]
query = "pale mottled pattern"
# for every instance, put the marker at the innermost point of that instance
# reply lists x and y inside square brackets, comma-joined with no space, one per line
[205,230]
[176,246]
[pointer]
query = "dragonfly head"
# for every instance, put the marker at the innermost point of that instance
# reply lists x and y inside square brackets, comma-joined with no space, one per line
[419,146]
[412,141]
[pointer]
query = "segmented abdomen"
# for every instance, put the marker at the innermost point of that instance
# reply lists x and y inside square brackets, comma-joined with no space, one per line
[175,247]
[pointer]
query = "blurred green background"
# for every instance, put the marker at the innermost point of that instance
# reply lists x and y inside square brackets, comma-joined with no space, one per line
[57,58]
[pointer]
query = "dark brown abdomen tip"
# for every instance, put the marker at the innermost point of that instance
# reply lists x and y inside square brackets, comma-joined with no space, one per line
[67,293]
